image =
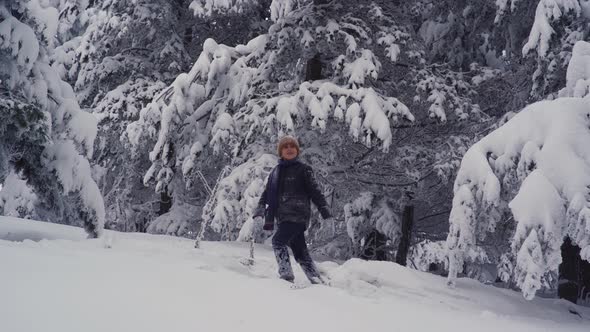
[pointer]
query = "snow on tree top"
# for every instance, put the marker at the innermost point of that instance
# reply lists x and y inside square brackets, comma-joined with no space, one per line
[19,39]
[578,72]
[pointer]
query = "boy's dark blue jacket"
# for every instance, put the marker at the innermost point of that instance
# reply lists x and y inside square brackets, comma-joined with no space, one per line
[290,187]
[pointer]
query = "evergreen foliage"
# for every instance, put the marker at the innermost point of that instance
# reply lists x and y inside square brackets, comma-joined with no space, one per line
[46,137]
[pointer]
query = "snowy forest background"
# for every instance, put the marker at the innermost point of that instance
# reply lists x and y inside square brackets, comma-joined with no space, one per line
[162,116]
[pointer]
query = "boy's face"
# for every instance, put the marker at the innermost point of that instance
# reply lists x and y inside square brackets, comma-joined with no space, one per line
[289,151]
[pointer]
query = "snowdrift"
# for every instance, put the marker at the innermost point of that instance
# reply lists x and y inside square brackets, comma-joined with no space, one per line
[54,279]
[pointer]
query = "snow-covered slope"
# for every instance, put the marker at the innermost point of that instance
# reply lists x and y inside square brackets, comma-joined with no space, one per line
[53,279]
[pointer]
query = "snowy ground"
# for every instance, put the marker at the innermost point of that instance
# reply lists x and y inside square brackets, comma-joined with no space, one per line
[53,279]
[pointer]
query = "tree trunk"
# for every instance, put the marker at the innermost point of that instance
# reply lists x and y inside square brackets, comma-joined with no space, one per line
[165,203]
[188,36]
[404,243]
[313,70]
[574,274]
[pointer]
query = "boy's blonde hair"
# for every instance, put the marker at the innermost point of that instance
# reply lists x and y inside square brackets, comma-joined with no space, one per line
[287,139]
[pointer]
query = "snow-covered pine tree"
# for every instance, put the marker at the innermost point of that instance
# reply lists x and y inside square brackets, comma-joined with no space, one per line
[531,174]
[368,214]
[43,129]
[429,256]
[488,35]
[17,199]
[122,56]
[230,212]
[143,133]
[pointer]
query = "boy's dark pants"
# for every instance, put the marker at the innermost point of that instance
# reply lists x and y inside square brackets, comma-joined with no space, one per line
[290,234]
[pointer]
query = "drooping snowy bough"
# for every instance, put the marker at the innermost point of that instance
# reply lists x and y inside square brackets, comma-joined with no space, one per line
[536,169]
[44,134]
[229,212]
